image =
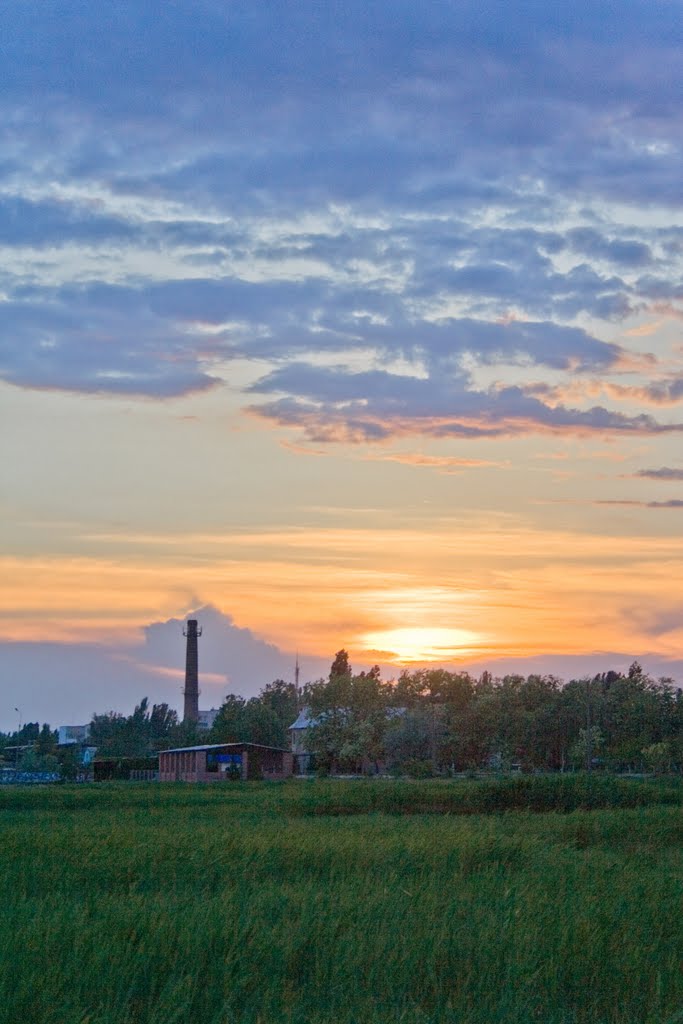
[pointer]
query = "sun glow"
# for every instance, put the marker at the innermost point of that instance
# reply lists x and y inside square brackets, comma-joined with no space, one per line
[420,644]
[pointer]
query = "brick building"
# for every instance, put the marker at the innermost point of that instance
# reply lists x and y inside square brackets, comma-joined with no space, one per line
[218,762]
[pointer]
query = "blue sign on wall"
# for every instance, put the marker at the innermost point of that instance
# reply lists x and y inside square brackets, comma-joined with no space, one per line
[230,759]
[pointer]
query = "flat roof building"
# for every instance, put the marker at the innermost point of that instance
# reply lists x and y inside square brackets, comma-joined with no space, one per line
[219,762]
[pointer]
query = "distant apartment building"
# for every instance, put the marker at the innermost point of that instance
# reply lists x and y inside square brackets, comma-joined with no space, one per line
[68,734]
[206,718]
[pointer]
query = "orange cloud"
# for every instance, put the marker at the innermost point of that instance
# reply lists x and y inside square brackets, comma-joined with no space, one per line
[441,462]
[511,588]
[644,331]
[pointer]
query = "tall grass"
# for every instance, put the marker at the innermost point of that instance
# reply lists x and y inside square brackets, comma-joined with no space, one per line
[313,903]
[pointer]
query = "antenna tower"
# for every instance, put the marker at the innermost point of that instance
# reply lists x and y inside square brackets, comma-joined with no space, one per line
[296,680]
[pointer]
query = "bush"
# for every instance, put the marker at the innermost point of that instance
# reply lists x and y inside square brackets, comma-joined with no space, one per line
[112,769]
[418,768]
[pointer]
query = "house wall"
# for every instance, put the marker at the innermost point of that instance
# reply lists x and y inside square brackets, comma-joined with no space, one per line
[280,768]
[179,766]
[298,740]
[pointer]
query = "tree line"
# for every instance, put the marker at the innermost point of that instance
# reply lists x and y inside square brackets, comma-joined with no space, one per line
[426,722]
[36,750]
[263,719]
[432,721]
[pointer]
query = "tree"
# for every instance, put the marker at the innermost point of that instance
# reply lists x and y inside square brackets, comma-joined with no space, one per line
[242,721]
[69,763]
[162,721]
[587,746]
[282,699]
[183,734]
[658,757]
[476,729]
[408,739]
[28,733]
[227,726]
[47,740]
[529,719]
[262,725]
[33,761]
[340,666]
[136,735]
[350,715]
[105,731]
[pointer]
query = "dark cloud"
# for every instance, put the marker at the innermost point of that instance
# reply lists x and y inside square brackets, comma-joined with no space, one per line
[660,288]
[664,392]
[531,283]
[90,347]
[664,473]
[628,252]
[66,683]
[244,660]
[332,405]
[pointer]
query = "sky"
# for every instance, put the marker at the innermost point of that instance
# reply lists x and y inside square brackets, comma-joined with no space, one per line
[336,325]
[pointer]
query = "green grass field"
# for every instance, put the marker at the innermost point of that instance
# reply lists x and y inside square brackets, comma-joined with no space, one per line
[346,902]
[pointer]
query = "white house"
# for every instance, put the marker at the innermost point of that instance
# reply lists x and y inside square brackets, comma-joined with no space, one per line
[73,734]
[298,731]
[206,718]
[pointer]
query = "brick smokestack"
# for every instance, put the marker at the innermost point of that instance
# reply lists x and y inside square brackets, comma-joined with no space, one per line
[191,691]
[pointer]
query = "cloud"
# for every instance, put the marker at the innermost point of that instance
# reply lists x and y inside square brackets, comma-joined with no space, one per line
[666,392]
[657,621]
[664,473]
[332,405]
[67,682]
[24,222]
[243,659]
[628,252]
[76,344]
[671,503]
[538,289]
[459,187]
[442,463]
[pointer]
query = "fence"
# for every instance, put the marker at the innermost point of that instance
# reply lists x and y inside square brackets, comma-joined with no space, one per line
[12,776]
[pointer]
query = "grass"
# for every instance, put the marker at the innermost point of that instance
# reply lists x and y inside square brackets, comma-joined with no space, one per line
[321,902]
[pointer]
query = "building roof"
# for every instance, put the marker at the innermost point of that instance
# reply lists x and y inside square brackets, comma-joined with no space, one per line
[221,746]
[304,721]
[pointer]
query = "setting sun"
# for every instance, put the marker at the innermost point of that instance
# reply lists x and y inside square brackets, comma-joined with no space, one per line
[422,644]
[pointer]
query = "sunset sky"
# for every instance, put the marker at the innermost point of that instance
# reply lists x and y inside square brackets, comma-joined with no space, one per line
[340,325]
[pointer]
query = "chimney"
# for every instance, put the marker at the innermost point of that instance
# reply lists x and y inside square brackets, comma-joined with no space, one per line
[191,691]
